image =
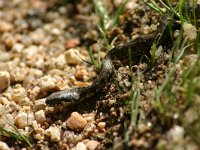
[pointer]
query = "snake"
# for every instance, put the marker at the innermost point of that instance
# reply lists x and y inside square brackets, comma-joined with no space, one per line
[137,47]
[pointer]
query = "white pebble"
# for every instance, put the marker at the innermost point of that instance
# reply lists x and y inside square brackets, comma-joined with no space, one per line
[81,146]
[59,62]
[190,32]
[4,146]
[40,116]
[176,134]
[53,133]
[55,31]
[72,56]
[46,82]
[5,56]
[92,145]
[34,124]
[4,100]
[17,47]
[23,120]
[30,52]
[4,109]
[19,95]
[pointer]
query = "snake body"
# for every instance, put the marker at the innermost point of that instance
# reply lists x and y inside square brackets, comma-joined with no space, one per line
[138,47]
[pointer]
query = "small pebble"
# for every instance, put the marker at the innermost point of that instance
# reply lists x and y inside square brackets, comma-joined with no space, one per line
[5,56]
[81,146]
[23,120]
[4,100]
[17,47]
[176,134]
[72,56]
[59,62]
[53,133]
[5,26]
[92,145]
[5,109]
[40,132]
[71,43]
[46,83]
[40,104]
[76,122]
[4,80]
[4,146]
[101,126]
[18,74]
[19,95]
[40,116]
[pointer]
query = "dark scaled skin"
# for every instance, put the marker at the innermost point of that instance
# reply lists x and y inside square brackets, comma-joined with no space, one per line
[77,95]
[138,47]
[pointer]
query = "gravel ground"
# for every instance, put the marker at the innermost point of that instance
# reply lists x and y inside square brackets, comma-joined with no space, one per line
[42,48]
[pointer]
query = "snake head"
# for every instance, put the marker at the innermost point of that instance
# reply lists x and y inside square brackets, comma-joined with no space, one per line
[65,96]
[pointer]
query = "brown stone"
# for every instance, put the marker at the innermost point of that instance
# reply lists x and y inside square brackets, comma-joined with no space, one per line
[76,122]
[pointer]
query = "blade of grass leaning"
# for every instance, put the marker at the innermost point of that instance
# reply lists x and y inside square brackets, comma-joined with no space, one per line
[98,59]
[18,136]
[92,57]
[102,12]
[103,32]
[118,12]
[153,6]
[134,106]
[23,137]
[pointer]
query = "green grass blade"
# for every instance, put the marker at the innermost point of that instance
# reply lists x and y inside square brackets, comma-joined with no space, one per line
[118,12]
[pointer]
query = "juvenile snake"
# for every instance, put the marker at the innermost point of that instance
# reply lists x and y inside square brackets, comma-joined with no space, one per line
[138,47]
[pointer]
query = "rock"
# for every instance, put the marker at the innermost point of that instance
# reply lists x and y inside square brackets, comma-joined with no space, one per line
[35,125]
[30,52]
[32,93]
[71,43]
[19,95]
[46,83]
[17,47]
[92,145]
[55,31]
[101,126]
[8,39]
[4,109]
[4,100]
[6,120]
[89,128]
[37,36]
[176,134]
[190,32]
[40,116]
[53,133]
[40,104]
[5,56]
[72,57]
[81,74]
[39,137]
[23,120]
[39,134]
[4,146]
[76,122]
[81,146]
[59,62]
[18,74]
[5,26]
[4,80]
